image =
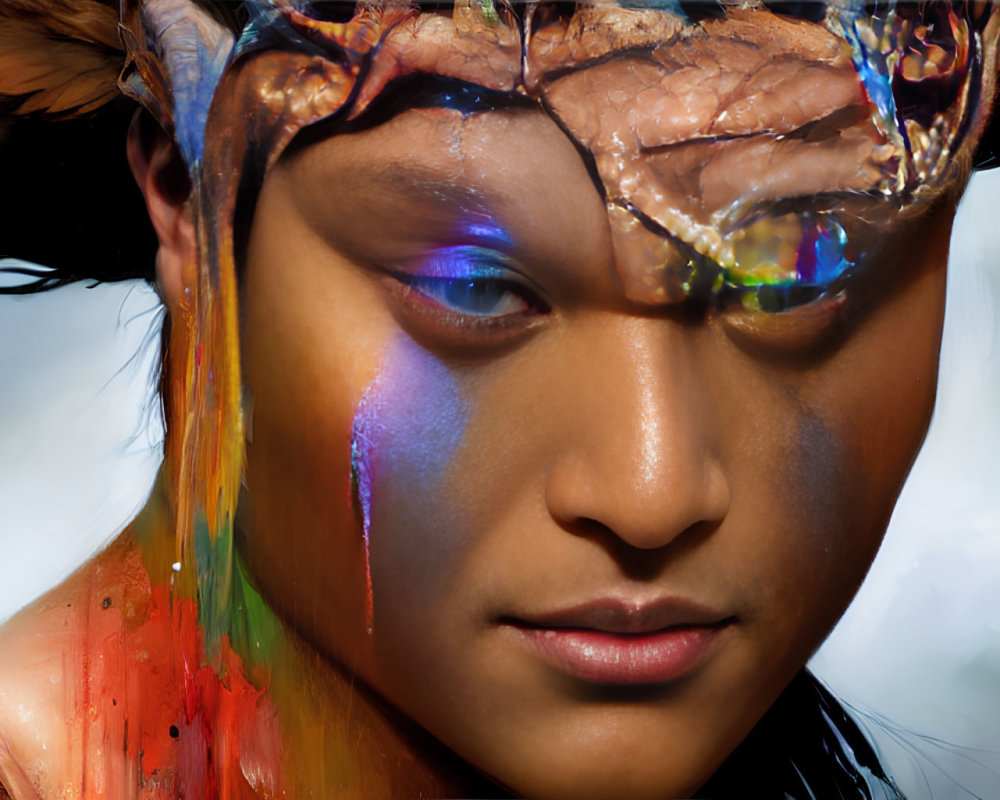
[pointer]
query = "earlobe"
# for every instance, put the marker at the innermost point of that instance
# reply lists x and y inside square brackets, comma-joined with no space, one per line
[162,177]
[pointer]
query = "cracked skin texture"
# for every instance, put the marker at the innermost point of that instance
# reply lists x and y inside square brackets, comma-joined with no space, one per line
[693,126]
[689,124]
[734,112]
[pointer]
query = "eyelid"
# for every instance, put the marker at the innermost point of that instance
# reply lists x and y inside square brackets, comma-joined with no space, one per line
[801,329]
[419,286]
[470,262]
[835,203]
[448,262]
[792,260]
[466,261]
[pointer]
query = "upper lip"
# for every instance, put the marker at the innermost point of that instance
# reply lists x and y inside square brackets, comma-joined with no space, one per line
[616,615]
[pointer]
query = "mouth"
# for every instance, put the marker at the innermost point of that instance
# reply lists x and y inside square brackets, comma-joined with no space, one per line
[617,643]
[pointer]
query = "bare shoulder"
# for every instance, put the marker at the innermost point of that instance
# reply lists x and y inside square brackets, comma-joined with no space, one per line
[45,655]
[34,648]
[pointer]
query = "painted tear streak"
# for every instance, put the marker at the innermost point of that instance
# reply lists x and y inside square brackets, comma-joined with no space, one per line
[406,428]
[362,450]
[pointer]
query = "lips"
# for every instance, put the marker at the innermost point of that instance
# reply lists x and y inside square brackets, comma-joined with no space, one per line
[618,643]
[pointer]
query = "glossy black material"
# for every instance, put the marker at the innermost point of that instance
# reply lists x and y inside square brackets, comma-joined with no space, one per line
[805,748]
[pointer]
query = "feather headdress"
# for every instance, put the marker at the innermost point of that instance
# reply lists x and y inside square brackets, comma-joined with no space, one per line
[57,57]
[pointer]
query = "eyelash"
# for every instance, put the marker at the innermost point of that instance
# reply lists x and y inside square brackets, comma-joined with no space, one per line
[784,273]
[473,295]
[780,262]
[472,290]
[486,293]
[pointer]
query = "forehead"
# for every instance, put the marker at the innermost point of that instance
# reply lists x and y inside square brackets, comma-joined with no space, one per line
[663,74]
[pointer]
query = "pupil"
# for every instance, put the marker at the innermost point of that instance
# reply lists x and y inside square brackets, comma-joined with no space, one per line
[474,296]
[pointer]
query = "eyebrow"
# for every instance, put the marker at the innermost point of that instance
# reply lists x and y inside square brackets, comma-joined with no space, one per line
[413,181]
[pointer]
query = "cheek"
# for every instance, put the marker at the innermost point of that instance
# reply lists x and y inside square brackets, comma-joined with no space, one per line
[878,395]
[312,340]
[405,434]
[863,419]
[820,544]
[302,538]
[816,464]
[789,550]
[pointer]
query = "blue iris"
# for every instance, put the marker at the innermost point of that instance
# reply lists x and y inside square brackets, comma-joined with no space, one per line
[480,297]
[471,280]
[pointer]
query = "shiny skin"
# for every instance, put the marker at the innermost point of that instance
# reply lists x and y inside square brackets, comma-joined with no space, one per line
[608,450]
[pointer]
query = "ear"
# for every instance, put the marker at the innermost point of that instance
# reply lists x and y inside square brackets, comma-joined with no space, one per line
[162,176]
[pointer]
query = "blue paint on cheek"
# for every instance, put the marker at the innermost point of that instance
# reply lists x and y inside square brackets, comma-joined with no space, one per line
[406,429]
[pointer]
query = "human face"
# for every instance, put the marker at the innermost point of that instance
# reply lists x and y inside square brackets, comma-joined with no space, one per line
[581,533]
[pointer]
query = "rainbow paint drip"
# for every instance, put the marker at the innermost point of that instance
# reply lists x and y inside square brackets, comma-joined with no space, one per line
[405,430]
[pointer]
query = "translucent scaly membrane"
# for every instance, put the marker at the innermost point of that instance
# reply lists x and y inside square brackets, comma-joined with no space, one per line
[762,149]
[709,128]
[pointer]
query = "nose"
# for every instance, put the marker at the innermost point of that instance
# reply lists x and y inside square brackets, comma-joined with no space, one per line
[638,455]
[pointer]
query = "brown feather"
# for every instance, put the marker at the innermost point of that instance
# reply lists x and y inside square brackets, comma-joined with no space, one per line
[58,57]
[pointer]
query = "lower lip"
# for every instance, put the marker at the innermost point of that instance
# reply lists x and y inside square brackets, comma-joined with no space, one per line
[622,659]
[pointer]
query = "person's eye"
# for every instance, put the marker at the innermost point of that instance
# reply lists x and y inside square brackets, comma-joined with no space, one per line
[782,262]
[790,279]
[476,297]
[468,293]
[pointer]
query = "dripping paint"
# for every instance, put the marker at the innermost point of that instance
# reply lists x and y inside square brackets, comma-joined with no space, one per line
[406,428]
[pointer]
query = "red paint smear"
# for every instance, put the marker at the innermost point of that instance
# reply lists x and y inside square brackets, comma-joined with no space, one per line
[153,720]
[369,591]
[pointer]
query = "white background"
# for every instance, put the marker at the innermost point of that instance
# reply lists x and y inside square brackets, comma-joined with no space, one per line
[917,656]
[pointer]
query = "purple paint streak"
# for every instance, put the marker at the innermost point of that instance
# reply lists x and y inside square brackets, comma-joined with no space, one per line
[406,428]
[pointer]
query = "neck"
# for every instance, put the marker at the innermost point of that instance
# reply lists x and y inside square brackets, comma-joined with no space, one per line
[304,726]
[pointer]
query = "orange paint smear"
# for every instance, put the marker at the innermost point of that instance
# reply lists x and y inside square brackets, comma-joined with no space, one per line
[151,720]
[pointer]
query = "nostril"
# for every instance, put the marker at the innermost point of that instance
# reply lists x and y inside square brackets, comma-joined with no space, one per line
[630,512]
[639,563]
[639,460]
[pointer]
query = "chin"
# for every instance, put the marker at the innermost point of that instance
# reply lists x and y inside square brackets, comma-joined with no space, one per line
[623,779]
[625,753]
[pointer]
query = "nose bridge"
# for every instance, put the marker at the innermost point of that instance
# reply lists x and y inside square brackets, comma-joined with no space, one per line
[638,457]
[643,376]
